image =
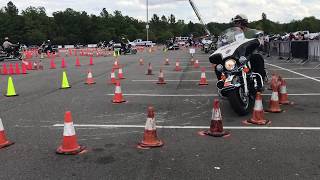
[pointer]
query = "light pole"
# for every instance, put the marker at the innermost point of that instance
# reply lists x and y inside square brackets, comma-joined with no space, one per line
[147,26]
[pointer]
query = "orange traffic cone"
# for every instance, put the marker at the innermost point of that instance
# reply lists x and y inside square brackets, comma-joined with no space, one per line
[283,95]
[4,142]
[167,62]
[203,79]
[178,68]
[23,68]
[90,79]
[17,69]
[274,80]
[112,77]
[274,106]
[161,78]
[69,145]
[149,70]
[258,113]
[91,61]
[78,62]
[216,127]
[150,138]
[40,65]
[4,69]
[192,62]
[11,71]
[118,97]
[141,61]
[120,74]
[116,64]
[196,64]
[52,64]
[30,65]
[63,63]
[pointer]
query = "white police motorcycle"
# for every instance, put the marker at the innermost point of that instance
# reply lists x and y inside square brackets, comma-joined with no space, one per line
[239,69]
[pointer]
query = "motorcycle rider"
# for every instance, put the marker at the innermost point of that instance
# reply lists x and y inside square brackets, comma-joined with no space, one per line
[256,60]
[47,46]
[7,45]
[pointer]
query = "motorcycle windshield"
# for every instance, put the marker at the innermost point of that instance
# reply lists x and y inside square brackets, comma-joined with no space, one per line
[234,34]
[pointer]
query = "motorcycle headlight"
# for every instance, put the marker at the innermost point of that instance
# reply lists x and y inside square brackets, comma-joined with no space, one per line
[230,64]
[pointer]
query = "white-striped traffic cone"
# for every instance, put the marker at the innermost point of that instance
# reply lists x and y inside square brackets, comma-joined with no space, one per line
[118,96]
[69,145]
[150,138]
[4,142]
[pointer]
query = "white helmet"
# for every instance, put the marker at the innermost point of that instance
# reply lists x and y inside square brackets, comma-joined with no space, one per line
[240,18]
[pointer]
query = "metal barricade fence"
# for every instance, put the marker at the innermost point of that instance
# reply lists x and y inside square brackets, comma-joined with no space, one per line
[314,50]
[284,49]
[273,48]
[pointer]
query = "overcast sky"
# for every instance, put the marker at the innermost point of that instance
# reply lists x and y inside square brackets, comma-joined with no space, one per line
[211,10]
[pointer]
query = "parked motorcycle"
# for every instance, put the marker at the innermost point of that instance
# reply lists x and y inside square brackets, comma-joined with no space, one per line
[239,69]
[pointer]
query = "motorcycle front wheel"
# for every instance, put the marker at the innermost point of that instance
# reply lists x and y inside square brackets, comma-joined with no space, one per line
[239,102]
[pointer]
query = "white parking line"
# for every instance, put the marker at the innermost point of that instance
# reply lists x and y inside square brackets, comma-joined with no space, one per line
[170,95]
[170,80]
[318,80]
[191,127]
[299,78]
[183,66]
[293,69]
[202,95]
[180,72]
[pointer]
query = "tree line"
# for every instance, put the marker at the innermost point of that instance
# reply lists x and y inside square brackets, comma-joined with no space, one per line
[32,26]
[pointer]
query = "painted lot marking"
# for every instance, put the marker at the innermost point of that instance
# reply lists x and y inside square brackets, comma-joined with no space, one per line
[299,78]
[214,80]
[294,69]
[192,127]
[317,80]
[180,72]
[202,95]
[183,66]
[171,80]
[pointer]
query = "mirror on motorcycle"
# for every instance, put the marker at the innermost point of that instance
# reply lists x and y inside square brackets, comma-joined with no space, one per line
[219,68]
[242,60]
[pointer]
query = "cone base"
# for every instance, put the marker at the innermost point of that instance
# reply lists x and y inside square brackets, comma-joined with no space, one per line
[11,95]
[80,150]
[203,84]
[122,78]
[286,103]
[118,102]
[216,134]
[65,87]
[143,145]
[256,122]
[274,110]
[90,83]
[6,144]
[149,74]
[161,83]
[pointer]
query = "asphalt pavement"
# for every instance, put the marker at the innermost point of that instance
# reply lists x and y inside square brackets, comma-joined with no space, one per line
[288,148]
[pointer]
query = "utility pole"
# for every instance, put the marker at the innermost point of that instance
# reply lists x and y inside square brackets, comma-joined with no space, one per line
[147,26]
